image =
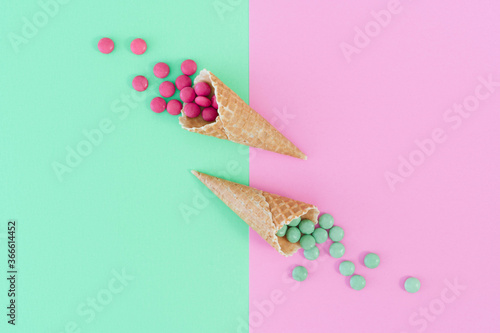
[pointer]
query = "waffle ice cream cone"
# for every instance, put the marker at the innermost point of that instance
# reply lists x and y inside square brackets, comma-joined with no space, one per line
[264,212]
[238,122]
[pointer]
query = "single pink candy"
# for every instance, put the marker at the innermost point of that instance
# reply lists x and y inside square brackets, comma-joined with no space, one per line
[203,101]
[209,114]
[158,104]
[106,45]
[214,102]
[202,89]
[140,83]
[167,89]
[161,70]
[188,67]
[174,107]
[138,46]
[182,82]
[192,110]
[187,95]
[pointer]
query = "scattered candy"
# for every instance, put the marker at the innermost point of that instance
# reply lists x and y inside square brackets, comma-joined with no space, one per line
[293,234]
[140,83]
[372,260]
[138,46]
[306,226]
[214,102]
[106,45]
[337,250]
[346,268]
[187,95]
[312,253]
[167,89]
[210,114]
[299,273]
[174,107]
[203,101]
[192,110]
[320,235]
[294,222]
[202,89]
[307,242]
[188,67]
[158,104]
[412,285]
[336,234]
[161,70]
[357,282]
[282,231]
[326,221]
[182,82]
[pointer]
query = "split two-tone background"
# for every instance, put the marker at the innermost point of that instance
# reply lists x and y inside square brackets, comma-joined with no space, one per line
[396,103]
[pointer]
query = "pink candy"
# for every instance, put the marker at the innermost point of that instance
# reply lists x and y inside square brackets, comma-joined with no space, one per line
[203,101]
[174,107]
[188,67]
[161,70]
[192,110]
[182,82]
[138,46]
[140,83]
[187,95]
[158,104]
[209,114]
[105,45]
[202,89]
[167,89]
[214,102]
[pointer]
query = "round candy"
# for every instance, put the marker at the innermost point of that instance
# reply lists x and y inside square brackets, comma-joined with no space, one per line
[182,82]
[167,89]
[214,102]
[174,107]
[346,268]
[299,273]
[138,46]
[306,226]
[282,231]
[106,45]
[203,101]
[294,222]
[357,282]
[320,235]
[312,253]
[307,242]
[336,234]
[209,114]
[188,67]
[337,250]
[161,70]
[412,285]
[202,89]
[326,221]
[140,83]
[293,234]
[192,110]
[372,260]
[187,95]
[158,104]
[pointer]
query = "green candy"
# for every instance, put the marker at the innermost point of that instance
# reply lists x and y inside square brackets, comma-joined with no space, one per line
[282,231]
[306,227]
[372,260]
[336,234]
[299,273]
[412,285]
[357,282]
[307,242]
[346,268]
[326,221]
[337,250]
[320,235]
[293,234]
[294,222]
[312,254]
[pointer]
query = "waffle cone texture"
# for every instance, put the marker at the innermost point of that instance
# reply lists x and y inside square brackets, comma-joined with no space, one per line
[238,122]
[264,212]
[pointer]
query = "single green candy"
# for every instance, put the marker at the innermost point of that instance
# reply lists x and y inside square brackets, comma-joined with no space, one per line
[372,260]
[412,285]
[337,250]
[294,222]
[336,234]
[293,234]
[306,227]
[320,235]
[312,254]
[357,282]
[282,231]
[307,242]
[299,273]
[346,268]
[326,221]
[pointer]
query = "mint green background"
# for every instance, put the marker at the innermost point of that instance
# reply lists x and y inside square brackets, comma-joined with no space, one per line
[120,208]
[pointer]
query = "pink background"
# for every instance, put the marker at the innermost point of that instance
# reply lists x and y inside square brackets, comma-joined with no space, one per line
[354,119]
